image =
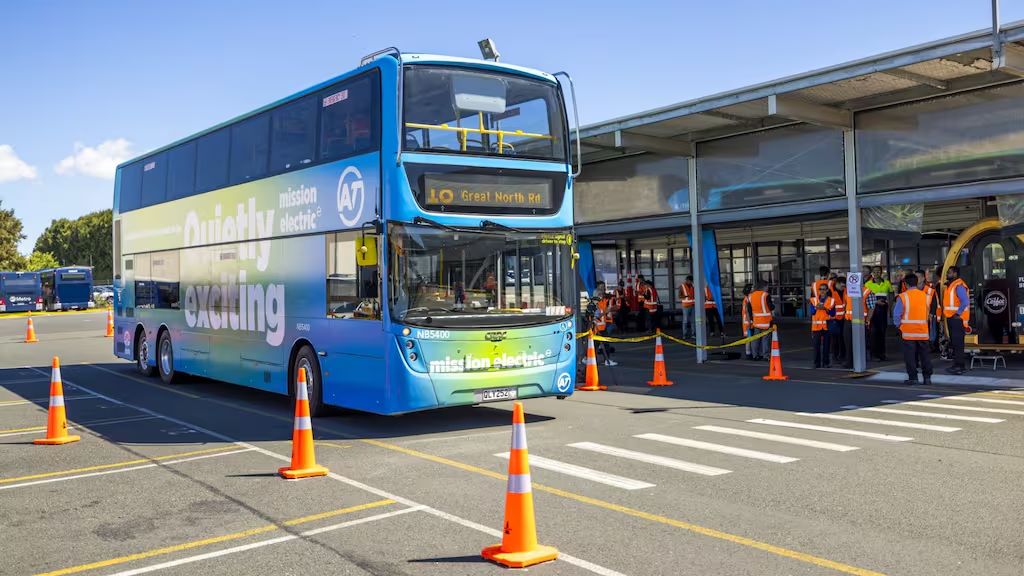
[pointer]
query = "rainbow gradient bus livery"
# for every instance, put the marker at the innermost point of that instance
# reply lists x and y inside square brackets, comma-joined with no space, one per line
[402,232]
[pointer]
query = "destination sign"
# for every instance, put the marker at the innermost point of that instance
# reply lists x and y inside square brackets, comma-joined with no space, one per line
[486,191]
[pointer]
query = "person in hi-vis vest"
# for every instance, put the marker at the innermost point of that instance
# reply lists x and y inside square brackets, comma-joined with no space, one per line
[687,298]
[956,307]
[823,310]
[761,311]
[910,316]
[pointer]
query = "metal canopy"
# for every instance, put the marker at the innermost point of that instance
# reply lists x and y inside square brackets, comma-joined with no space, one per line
[826,97]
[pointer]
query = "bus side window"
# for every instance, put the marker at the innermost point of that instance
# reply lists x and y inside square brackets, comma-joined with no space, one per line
[352,290]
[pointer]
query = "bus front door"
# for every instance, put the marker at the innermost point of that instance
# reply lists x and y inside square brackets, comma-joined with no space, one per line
[997,283]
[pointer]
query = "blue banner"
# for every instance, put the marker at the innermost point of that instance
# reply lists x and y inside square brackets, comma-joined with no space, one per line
[709,257]
[585,266]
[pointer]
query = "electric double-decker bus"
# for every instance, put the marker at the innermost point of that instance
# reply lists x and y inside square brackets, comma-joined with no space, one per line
[66,288]
[402,232]
[20,292]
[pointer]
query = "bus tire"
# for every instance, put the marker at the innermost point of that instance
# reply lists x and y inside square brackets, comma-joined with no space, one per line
[142,354]
[306,358]
[165,357]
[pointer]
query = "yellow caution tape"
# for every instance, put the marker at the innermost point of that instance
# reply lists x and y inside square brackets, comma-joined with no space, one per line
[634,339]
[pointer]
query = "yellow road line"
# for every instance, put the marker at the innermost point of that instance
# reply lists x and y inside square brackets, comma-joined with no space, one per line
[703,530]
[332,444]
[119,464]
[170,389]
[213,540]
[29,429]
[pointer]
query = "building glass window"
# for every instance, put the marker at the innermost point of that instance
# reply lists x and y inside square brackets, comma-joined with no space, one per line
[800,162]
[644,185]
[966,137]
[606,266]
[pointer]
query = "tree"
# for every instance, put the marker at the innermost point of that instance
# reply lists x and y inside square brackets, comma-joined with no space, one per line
[10,234]
[41,261]
[85,241]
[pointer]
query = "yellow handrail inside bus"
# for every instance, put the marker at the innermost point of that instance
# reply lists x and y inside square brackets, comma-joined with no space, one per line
[463,133]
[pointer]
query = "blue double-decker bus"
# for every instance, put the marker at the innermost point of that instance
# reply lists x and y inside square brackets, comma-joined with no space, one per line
[402,232]
[66,288]
[20,292]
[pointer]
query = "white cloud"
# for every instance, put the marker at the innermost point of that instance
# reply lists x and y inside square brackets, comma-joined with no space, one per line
[13,168]
[98,162]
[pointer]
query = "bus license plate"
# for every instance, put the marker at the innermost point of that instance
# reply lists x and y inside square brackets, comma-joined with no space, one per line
[495,394]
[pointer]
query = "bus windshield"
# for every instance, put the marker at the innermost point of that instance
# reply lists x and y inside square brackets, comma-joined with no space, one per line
[470,279]
[455,110]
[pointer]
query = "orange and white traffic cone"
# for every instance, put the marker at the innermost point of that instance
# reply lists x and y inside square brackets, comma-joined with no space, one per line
[30,331]
[593,383]
[110,324]
[660,371]
[519,548]
[303,455]
[775,367]
[56,419]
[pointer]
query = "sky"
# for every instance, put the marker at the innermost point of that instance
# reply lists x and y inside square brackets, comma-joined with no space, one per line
[87,85]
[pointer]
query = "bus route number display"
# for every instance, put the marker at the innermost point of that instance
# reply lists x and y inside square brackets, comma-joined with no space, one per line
[468,191]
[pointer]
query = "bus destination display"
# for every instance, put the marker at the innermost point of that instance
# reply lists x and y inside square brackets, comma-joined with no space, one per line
[486,191]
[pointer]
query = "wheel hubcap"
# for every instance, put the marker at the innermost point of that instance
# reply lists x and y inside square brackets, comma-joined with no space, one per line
[165,356]
[143,355]
[304,364]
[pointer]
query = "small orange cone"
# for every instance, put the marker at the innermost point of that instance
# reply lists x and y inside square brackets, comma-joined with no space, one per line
[303,456]
[775,367]
[593,383]
[56,419]
[110,324]
[30,332]
[519,548]
[660,373]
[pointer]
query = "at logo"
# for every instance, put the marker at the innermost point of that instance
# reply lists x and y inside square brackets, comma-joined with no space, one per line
[351,196]
[995,302]
[564,382]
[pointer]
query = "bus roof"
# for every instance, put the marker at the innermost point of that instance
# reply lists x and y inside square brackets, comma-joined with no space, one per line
[406,59]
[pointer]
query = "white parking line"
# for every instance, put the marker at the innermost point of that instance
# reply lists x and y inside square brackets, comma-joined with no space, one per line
[926,414]
[745,453]
[974,399]
[585,473]
[779,438]
[955,407]
[875,435]
[494,533]
[651,459]
[262,543]
[897,423]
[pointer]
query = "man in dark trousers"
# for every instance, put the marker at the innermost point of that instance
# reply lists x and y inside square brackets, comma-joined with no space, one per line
[910,316]
[956,307]
[823,313]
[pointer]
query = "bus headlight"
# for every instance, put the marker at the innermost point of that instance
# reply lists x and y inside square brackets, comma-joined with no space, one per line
[406,331]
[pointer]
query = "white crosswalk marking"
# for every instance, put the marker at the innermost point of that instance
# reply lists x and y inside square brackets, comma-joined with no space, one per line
[875,435]
[1009,392]
[585,473]
[766,456]
[779,438]
[927,414]
[880,422]
[955,407]
[651,459]
[974,399]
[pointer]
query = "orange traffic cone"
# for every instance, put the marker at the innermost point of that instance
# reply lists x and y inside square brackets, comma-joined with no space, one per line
[56,419]
[519,548]
[593,383]
[110,324]
[775,367]
[30,332]
[660,375]
[303,456]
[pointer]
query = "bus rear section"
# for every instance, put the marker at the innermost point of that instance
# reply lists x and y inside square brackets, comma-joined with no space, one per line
[68,288]
[20,292]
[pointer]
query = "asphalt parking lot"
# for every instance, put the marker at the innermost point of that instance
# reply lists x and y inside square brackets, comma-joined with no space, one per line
[722,473]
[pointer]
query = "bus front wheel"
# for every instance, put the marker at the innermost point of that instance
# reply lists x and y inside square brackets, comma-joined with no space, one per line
[165,358]
[306,359]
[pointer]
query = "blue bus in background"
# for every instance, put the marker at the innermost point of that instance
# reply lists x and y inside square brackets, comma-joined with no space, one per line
[402,232]
[20,292]
[67,288]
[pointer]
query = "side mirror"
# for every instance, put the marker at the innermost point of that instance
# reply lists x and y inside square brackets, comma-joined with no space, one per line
[366,251]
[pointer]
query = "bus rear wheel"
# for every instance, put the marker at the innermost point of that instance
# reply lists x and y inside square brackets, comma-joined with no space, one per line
[165,358]
[306,359]
[142,354]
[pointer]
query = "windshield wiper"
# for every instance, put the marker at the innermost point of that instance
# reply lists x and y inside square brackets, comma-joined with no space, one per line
[432,223]
[492,225]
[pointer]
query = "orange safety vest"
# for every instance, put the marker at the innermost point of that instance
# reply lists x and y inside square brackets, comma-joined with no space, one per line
[848,302]
[914,323]
[762,315]
[709,301]
[650,301]
[950,302]
[820,319]
[929,291]
[600,321]
[840,305]
[745,317]
[686,295]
